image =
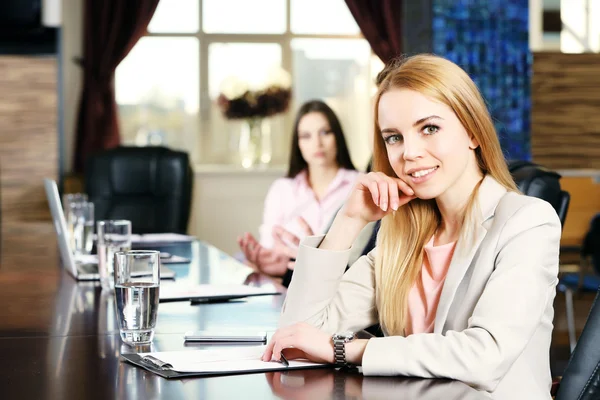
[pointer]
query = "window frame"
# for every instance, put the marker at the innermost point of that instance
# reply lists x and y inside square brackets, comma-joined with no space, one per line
[206,39]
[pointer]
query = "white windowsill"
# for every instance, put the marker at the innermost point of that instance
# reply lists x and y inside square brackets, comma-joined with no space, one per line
[219,169]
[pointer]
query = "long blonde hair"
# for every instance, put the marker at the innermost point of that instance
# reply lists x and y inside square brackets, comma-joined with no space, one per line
[404,233]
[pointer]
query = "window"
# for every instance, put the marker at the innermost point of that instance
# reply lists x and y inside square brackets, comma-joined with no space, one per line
[167,86]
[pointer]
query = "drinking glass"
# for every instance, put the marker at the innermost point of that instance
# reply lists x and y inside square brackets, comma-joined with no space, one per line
[73,198]
[112,236]
[68,201]
[81,227]
[137,282]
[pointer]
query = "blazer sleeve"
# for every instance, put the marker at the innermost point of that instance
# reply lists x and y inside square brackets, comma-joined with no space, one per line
[272,213]
[337,301]
[504,320]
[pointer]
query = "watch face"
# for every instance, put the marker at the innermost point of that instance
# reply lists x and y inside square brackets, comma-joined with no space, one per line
[345,336]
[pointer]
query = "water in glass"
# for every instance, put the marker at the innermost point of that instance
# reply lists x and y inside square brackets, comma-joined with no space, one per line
[137,305]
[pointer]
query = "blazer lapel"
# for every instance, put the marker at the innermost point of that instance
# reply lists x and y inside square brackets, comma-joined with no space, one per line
[458,267]
[490,193]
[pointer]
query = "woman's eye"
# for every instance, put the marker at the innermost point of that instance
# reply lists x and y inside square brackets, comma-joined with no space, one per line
[430,129]
[324,132]
[392,139]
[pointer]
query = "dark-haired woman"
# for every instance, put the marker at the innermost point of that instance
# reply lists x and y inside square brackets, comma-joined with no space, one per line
[319,179]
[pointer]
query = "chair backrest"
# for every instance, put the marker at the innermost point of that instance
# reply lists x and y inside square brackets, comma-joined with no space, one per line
[591,243]
[581,379]
[537,181]
[150,186]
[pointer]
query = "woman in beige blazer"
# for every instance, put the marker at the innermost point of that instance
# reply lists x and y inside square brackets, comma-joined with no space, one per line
[440,174]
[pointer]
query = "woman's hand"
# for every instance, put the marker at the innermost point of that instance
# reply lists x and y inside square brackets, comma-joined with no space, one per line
[263,260]
[286,243]
[300,340]
[375,195]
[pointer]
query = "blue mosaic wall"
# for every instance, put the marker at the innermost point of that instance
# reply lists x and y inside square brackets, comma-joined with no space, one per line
[490,40]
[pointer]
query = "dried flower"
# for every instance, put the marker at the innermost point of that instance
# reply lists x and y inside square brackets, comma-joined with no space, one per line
[237,101]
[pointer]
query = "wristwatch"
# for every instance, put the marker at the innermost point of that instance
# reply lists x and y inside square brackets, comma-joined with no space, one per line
[339,346]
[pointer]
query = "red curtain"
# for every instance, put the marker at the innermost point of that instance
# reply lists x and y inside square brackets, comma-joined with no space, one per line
[380,23]
[111,29]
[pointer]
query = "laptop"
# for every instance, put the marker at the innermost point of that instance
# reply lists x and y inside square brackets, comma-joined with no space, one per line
[81,271]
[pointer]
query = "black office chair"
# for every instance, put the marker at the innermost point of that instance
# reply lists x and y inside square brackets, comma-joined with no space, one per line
[581,379]
[534,180]
[150,186]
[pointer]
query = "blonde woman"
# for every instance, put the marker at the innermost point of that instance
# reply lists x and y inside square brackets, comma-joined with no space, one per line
[463,276]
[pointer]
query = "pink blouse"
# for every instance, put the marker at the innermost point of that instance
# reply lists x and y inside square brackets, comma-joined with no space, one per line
[290,198]
[424,296]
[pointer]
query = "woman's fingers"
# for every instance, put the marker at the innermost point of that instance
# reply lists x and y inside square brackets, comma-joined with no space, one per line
[384,196]
[292,353]
[254,253]
[283,343]
[403,186]
[286,235]
[280,333]
[288,252]
[393,194]
[374,189]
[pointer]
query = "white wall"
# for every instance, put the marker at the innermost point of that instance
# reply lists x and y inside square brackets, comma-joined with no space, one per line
[229,201]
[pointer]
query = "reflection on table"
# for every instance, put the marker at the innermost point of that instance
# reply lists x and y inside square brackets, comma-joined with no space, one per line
[62,342]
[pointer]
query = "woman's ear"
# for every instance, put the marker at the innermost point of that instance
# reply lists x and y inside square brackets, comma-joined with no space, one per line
[473,143]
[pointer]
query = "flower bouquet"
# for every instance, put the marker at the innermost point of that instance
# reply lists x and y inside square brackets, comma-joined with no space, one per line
[239,101]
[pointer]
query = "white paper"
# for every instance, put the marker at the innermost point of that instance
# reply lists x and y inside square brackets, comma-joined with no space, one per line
[240,358]
[87,258]
[172,292]
[161,237]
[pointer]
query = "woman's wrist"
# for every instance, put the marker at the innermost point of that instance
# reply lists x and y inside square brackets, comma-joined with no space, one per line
[355,350]
[343,233]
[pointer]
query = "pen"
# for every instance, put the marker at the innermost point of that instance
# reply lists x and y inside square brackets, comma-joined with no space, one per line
[284,360]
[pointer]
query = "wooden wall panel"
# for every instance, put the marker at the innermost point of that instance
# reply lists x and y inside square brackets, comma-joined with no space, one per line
[585,203]
[28,153]
[565,121]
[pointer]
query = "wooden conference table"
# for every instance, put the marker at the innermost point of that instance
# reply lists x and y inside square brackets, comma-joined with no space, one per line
[59,340]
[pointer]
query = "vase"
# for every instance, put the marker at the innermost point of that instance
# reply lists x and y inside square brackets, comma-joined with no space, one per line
[255,143]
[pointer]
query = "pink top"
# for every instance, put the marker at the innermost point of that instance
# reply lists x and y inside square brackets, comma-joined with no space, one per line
[424,296]
[290,198]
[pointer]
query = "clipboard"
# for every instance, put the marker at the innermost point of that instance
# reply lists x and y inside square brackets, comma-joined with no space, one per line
[244,365]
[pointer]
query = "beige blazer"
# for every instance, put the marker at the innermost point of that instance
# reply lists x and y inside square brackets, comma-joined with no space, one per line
[493,325]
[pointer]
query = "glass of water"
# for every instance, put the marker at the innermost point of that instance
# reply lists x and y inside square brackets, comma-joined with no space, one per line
[112,236]
[81,226]
[137,282]
[73,198]
[69,200]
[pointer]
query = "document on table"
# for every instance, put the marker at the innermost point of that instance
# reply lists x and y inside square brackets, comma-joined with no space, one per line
[238,359]
[177,292]
[161,237]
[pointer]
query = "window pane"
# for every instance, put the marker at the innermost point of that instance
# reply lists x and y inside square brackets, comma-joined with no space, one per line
[157,90]
[243,16]
[322,17]
[338,72]
[176,16]
[248,61]
[251,63]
